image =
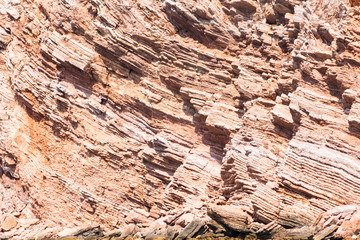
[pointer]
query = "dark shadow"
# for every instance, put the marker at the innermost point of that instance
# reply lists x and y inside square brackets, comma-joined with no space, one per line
[81,80]
[37,117]
[57,127]
[187,28]
[8,169]
[216,141]
[335,86]
[284,132]
[354,131]
[115,54]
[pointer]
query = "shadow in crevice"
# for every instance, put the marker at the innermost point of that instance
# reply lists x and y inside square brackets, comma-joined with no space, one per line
[36,116]
[215,140]
[191,29]
[354,131]
[9,168]
[20,97]
[113,60]
[82,81]
[284,132]
[335,87]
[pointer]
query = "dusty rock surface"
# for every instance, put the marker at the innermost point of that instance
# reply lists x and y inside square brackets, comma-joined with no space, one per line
[152,118]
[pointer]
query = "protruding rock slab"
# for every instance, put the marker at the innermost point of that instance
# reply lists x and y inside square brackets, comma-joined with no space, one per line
[354,117]
[282,116]
[9,223]
[232,217]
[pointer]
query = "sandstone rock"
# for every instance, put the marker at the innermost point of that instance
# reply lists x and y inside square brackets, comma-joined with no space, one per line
[349,96]
[185,219]
[215,226]
[27,222]
[113,233]
[282,116]
[325,232]
[129,231]
[62,53]
[89,231]
[191,229]
[325,32]
[233,217]
[13,13]
[137,216]
[110,107]
[299,233]
[173,232]
[9,223]
[270,230]
[270,14]
[354,2]
[248,6]
[155,234]
[349,227]
[354,118]
[321,54]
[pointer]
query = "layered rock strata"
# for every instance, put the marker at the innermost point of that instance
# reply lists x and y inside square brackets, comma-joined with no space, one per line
[133,113]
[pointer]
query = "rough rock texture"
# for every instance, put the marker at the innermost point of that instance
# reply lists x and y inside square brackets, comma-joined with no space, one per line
[131,113]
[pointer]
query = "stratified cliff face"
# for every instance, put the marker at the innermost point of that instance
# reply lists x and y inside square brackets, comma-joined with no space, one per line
[159,112]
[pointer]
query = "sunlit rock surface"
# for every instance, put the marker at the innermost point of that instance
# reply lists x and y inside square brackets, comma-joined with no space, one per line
[179,118]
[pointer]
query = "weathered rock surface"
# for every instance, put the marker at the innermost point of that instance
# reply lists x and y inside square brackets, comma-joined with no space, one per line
[165,118]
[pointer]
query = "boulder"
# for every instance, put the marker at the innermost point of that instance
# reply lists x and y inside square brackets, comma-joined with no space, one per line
[247,6]
[283,7]
[172,232]
[129,231]
[350,226]
[9,223]
[281,116]
[232,217]
[270,14]
[190,230]
[155,234]
[88,231]
[185,219]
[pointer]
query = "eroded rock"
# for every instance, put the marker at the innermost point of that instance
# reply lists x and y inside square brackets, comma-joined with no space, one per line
[282,116]
[9,223]
[5,38]
[232,217]
[136,116]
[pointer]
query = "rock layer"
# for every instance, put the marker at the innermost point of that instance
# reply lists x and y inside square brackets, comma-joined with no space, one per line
[119,113]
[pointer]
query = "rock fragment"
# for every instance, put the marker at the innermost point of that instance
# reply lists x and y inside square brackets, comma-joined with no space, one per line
[282,116]
[247,6]
[5,38]
[233,217]
[9,223]
[13,13]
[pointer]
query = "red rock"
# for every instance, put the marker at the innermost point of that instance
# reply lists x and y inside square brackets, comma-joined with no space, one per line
[130,112]
[9,223]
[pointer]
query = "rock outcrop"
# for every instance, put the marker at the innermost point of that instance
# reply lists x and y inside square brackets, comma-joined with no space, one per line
[179,119]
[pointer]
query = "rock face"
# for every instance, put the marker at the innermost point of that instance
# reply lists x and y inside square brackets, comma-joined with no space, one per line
[128,114]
